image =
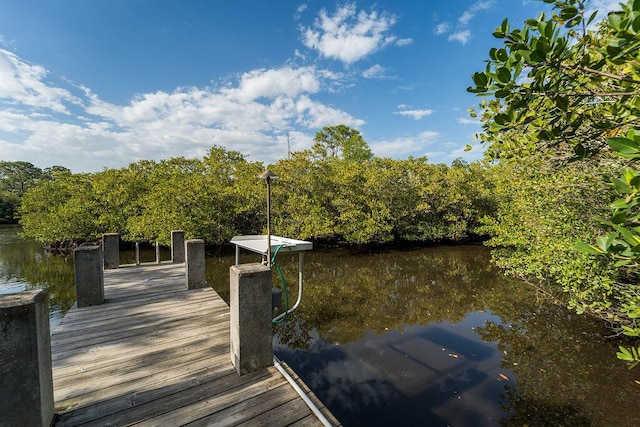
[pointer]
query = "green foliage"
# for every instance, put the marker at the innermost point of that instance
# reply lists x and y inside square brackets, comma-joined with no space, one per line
[564,90]
[8,206]
[17,177]
[341,141]
[347,196]
[380,200]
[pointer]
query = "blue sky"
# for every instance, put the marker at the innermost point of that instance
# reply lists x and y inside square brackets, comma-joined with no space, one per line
[104,83]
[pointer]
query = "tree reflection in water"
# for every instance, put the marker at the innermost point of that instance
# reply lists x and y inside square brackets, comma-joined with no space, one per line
[437,336]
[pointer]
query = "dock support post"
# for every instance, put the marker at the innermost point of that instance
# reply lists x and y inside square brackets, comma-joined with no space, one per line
[26,395]
[177,246]
[195,264]
[250,317]
[111,248]
[88,275]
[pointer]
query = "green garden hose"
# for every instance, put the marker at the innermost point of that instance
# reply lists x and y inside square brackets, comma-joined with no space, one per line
[284,285]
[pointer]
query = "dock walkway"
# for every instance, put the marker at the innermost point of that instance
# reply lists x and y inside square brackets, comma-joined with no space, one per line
[157,354]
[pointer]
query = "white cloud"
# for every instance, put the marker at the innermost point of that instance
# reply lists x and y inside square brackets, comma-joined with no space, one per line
[374,72]
[470,13]
[274,82]
[316,115]
[25,84]
[467,121]
[249,115]
[442,28]
[461,36]
[348,35]
[416,114]
[401,147]
[300,10]
[404,42]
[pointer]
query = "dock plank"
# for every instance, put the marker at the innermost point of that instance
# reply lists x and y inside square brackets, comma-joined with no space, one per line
[157,354]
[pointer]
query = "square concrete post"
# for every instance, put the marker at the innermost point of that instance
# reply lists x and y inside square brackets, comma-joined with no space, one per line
[195,264]
[88,275]
[26,394]
[111,249]
[177,246]
[250,317]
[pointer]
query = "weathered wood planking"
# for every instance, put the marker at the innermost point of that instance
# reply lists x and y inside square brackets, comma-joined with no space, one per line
[157,354]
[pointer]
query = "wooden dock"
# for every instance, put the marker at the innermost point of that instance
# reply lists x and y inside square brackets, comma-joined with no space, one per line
[157,354]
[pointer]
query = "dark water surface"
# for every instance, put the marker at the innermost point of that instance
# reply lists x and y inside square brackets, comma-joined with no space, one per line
[24,265]
[423,336]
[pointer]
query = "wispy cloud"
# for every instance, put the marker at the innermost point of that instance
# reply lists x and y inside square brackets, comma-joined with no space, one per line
[348,35]
[468,121]
[404,42]
[442,28]
[25,84]
[401,147]
[415,114]
[299,11]
[461,33]
[374,72]
[461,36]
[470,13]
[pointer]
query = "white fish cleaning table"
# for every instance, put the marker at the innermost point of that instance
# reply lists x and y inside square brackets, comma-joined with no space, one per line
[258,243]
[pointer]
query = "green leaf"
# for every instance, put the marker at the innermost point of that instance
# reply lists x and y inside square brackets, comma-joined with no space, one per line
[568,12]
[627,235]
[505,26]
[620,204]
[503,74]
[624,354]
[537,56]
[615,19]
[636,24]
[603,243]
[480,79]
[622,263]
[502,55]
[623,145]
[588,249]
[502,119]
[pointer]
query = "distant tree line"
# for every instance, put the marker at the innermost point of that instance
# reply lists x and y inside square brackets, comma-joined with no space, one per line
[15,179]
[336,191]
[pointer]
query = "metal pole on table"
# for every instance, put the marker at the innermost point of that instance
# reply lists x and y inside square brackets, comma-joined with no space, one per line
[268,175]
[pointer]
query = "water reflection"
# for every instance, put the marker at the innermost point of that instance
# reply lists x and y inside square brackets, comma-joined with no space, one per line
[436,336]
[24,265]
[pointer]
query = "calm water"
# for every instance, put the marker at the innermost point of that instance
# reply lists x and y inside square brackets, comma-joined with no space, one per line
[428,336]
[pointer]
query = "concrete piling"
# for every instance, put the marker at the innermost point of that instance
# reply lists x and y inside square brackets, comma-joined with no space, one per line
[88,275]
[195,264]
[111,248]
[26,394]
[250,317]
[177,246]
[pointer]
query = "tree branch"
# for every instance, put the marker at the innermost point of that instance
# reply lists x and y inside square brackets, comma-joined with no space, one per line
[604,74]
